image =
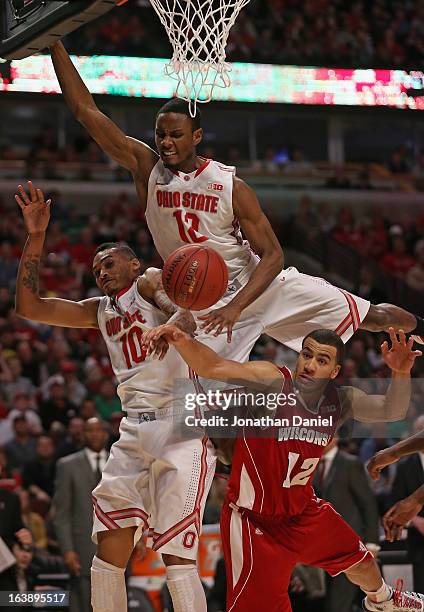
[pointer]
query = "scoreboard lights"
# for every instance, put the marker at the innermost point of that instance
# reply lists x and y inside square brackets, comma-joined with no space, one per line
[144,77]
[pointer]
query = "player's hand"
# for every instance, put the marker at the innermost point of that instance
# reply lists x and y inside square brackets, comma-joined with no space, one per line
[73,563]
[35,209]
[166,333]
[398,516]
[400,357]
[379,461]
[157,349]
[219,319]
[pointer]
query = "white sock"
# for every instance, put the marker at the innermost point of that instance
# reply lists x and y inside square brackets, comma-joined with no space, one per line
[383,594]
[108,590]
[185,588]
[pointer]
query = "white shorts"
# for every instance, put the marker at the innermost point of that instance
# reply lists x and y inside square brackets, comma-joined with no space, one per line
[293,305]
[157,482]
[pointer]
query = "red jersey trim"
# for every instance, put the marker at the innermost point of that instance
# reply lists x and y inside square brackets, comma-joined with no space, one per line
[202,167]
[122,292]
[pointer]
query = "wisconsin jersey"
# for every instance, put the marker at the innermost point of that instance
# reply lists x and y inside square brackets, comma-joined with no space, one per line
[144,382]
[272,476]
[197,208]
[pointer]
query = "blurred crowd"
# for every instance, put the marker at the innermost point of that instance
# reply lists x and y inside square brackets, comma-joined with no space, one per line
[383,33]
[54,381]
[395,248]
[81,159]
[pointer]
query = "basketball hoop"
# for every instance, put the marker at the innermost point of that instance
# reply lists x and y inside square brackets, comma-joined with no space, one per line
[198,32]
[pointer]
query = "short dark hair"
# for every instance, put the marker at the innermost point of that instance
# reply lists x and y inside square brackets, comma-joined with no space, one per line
[181,107]
[122,247]
[329,337]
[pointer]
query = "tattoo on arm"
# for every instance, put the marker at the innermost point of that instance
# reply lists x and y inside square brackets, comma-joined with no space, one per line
[30,279]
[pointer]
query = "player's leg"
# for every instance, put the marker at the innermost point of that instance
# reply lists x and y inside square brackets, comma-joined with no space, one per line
[108,590]
[345,552]
[258,568]
[184,584]
[382,316]
[180,483]
[119,518]
[381,597]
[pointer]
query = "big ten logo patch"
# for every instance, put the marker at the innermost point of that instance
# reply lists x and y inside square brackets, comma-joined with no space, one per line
[215,186]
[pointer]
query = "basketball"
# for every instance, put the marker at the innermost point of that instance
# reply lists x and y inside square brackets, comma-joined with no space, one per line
[195,277]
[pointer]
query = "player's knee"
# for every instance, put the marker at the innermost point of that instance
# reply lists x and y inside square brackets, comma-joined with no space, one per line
[174,560]
[115,547]
[379,317]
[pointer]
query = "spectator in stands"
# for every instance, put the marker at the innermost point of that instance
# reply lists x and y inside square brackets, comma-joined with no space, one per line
[74,389]
[341,479]
[38,474]
[12,380]
[397,261]
[31,356]
[23,576]
[415,276]
[11,524]
[22,448]
[57,407]
[33,521]
[22,407]
[106,400]
[88,409]
[74,440]
[77,475]
[409,477]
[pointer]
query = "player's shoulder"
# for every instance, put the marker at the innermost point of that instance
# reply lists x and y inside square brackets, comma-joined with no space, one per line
[215,164]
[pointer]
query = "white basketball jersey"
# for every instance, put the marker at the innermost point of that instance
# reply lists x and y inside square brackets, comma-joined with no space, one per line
[144,382]
[196,208]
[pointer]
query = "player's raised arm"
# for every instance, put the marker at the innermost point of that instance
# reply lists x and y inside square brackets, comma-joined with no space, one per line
[208,364]
[29,304]
[394,405]
[264,242]
[128,152]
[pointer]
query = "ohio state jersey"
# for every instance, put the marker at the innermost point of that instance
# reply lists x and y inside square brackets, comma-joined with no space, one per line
[196,208]
[271,476]
[144,382]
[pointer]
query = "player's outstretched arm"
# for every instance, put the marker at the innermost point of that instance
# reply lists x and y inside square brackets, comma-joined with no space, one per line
[134,155]
[393,406]
[208,364]
[53,311]
[413,444]
[264,242]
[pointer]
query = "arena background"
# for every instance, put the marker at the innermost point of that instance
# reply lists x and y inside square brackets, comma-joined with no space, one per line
[335,154]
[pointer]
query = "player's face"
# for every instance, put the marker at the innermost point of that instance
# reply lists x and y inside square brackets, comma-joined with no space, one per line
[317,363]
[175,139]
[113,271]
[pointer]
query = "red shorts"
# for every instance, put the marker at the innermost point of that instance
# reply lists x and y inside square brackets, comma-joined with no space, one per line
[260,554]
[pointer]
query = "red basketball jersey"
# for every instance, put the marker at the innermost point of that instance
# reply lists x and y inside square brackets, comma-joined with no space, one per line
[272,475]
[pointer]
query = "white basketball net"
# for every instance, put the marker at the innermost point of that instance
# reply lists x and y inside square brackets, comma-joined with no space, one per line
[198,32]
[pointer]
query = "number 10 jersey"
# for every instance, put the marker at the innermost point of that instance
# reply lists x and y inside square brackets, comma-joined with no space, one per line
[145,383]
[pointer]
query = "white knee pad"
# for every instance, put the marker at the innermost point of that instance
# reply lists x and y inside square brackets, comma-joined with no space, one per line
[108,590]
[185,588]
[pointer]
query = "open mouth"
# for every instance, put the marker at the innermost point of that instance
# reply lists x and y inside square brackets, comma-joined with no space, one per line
[167,154]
